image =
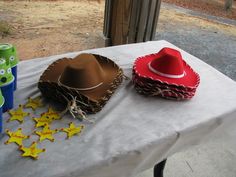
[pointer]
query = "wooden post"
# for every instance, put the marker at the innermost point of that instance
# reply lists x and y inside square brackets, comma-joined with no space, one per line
[130,21]
[228,4]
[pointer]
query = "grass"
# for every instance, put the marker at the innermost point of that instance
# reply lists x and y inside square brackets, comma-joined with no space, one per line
[5,29]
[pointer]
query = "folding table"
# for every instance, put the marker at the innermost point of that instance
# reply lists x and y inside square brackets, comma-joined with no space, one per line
[132,133]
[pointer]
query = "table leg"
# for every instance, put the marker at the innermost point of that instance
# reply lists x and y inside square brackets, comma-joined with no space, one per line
[159,169]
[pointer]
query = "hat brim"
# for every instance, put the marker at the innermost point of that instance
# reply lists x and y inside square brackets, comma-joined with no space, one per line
[145,83]
[113,77]
[150,82]
[157,89]
[190,79]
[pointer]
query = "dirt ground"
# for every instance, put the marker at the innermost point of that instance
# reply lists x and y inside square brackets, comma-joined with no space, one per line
[44,28]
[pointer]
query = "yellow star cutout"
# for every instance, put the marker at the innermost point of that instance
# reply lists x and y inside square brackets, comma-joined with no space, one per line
[46,133]
[31,151]
[34,103]
[16,137]
[72,130]
[51,114]
[18,114]
[42,121]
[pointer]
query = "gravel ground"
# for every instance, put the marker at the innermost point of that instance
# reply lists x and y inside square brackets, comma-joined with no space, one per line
[211,7]
[214,46]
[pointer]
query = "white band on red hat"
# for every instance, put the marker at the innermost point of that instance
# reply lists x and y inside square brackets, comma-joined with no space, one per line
[174,76]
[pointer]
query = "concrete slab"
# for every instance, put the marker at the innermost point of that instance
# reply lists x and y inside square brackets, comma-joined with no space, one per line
[214,159]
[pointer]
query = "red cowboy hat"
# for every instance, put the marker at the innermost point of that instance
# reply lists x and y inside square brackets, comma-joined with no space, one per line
[154,89]
[167,67]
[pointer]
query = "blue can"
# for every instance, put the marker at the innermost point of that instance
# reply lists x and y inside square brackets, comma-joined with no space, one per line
[6,84]
[1,106]
[8,94]
[14,72]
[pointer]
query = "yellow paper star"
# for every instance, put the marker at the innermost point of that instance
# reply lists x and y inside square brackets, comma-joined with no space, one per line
[72,130]
[46,133]
[34,103]
[18,114]
[51,114]
[31,151]
[16,137]
[42,121]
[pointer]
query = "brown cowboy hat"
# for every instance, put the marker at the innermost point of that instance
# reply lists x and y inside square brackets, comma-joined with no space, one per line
[91,78]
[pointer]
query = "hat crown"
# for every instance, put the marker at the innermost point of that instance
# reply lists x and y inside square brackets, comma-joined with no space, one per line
[169,63]
[83,72]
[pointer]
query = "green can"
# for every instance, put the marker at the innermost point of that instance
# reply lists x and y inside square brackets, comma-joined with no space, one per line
[9,54]
[6,85]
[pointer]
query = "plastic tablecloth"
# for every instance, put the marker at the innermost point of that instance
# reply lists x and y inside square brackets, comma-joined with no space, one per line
[131,133]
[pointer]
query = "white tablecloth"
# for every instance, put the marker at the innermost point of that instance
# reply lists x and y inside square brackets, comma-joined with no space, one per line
[131,133]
